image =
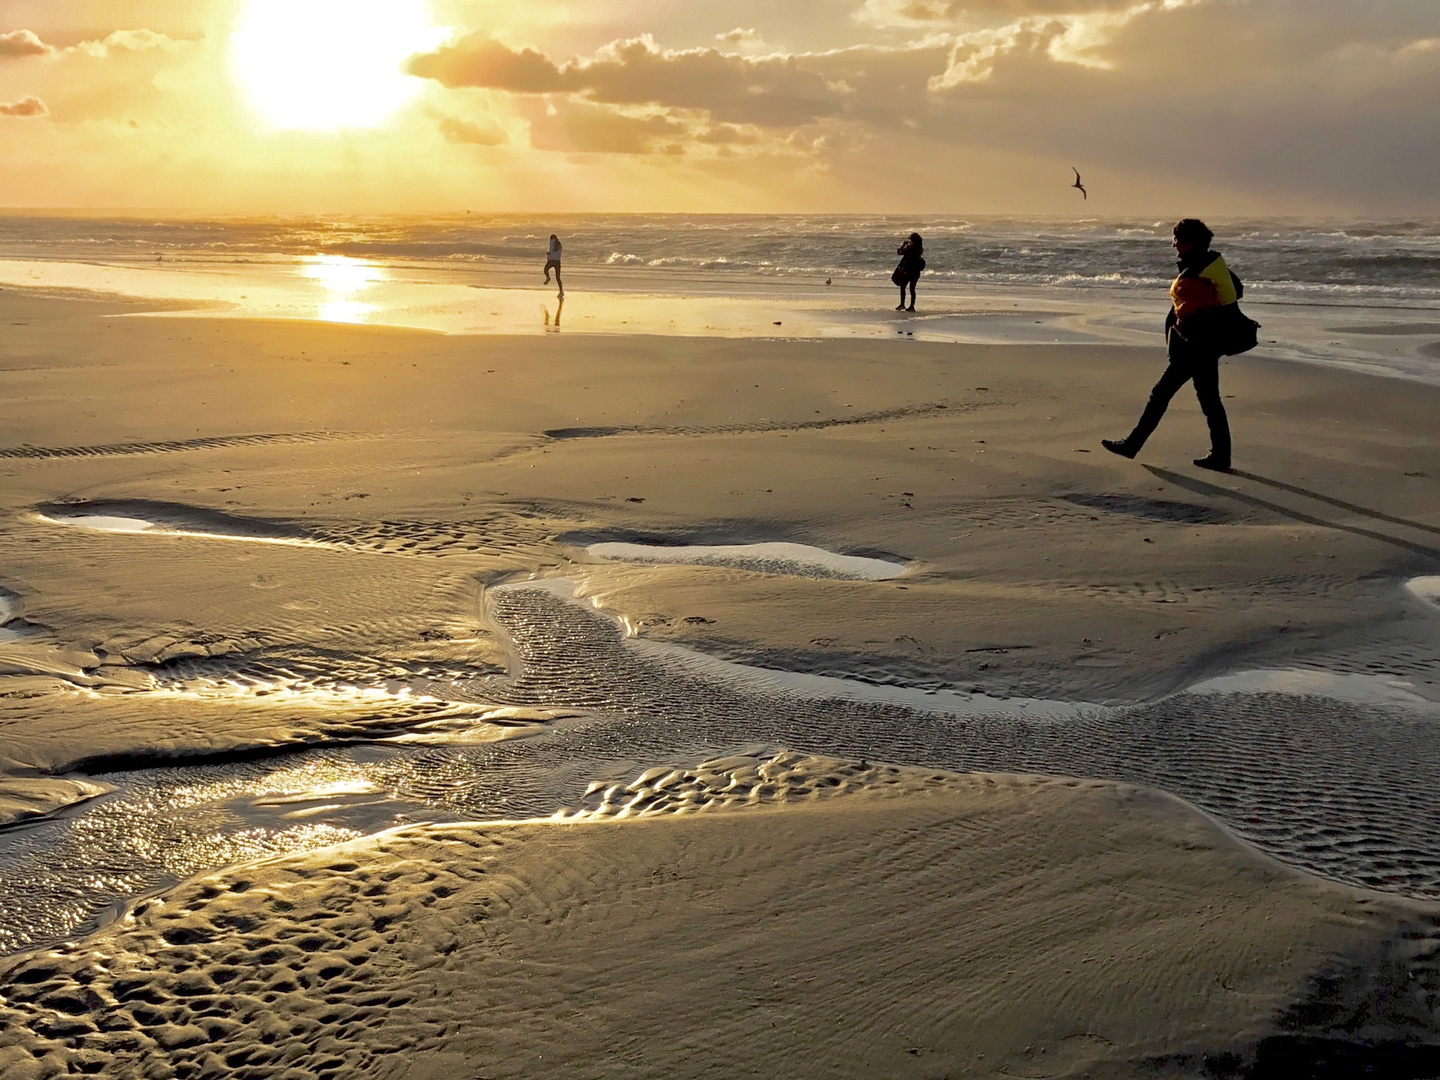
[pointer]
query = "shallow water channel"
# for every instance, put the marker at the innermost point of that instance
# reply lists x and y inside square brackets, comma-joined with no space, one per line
[1347,789]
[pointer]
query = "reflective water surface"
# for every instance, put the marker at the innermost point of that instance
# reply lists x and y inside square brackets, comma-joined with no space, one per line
[1349,789]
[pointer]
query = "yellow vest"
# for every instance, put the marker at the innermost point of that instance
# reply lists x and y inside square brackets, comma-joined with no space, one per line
[1191,294]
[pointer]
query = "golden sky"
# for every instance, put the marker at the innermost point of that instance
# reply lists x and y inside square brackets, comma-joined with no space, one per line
[1215,107]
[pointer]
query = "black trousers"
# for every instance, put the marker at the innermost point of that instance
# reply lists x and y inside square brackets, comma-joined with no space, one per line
[1204,371]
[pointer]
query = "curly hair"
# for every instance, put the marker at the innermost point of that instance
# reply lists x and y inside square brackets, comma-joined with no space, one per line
[1194,232]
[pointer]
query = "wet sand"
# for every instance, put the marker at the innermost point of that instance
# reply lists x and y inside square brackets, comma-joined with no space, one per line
[903,924]
[398,483]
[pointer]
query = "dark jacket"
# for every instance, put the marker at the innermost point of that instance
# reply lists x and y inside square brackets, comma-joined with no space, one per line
[912,261]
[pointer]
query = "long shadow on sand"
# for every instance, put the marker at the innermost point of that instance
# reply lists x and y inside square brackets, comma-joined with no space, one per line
[1200,487]
[1280,485]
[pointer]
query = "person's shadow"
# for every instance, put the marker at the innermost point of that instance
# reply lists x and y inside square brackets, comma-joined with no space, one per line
[1200,487]
[554,327]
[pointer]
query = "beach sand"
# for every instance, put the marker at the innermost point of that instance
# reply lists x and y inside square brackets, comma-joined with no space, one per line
[225,537]
[913,925]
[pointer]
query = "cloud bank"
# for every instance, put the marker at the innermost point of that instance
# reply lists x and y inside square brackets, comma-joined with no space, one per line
[772,91]
[1206,106]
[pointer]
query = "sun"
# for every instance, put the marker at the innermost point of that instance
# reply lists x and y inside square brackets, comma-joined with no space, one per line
[328,64]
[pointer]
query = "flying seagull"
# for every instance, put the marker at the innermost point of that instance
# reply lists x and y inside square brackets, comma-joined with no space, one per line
[1079,185]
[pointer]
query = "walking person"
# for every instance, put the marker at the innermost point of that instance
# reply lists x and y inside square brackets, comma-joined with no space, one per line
[552,262]
[907,273]
[1204,324]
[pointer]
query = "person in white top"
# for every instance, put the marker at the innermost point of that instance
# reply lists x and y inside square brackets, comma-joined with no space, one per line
[552,262]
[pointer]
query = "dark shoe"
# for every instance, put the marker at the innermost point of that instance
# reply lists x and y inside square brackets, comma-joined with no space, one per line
[1213,463]
[1121,447]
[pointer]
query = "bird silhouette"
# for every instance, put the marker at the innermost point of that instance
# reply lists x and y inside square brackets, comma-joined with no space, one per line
[1079,185]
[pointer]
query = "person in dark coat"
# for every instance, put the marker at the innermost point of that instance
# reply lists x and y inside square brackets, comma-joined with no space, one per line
[1203,300]
[907,273]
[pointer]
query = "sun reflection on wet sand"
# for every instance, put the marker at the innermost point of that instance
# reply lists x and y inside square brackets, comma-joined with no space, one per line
[343,278]
[344,289]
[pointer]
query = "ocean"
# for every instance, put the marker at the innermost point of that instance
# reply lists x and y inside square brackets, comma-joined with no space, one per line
[1352,261]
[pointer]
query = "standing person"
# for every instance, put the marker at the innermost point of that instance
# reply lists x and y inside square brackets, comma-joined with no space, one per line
[1198,331]
[552,262]
[912,261]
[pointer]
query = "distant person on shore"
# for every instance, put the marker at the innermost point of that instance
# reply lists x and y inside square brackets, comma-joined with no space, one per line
[552,262]
[1204,324]
[907,273]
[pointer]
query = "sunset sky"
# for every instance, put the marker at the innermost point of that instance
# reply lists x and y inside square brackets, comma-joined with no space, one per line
[1226,106]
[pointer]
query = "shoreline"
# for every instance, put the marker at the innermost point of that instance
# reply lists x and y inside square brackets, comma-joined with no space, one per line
[504,299]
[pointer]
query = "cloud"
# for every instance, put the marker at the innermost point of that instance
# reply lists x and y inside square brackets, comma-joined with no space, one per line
[580,126]
[480,61]
[772,91]
[23,43]
[29,106]
[745,39]
[128,41]
[18,43]
[473,133]
[739,36]
[729,135]
[887,14]
[1078,39]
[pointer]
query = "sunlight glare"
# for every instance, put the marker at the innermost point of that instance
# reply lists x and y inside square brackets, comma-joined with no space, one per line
[343,278]
[327,64]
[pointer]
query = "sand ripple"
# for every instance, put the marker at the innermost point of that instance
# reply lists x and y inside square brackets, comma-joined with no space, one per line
[753,779]
[172,446]
[1347,790]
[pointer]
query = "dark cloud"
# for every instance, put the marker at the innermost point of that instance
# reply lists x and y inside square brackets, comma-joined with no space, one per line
[772,91]
[1247,101]
[475,133]
[729,135]
[1282,97]
[18,43]
[30,106]
[477,60]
